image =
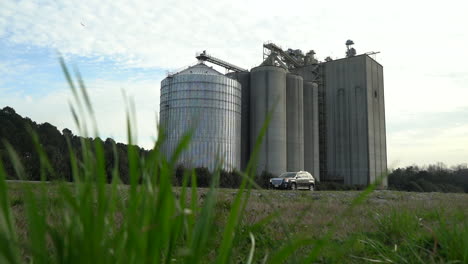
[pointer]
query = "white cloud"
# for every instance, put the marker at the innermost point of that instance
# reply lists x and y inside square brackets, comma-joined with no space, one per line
[424,146]
[13,68]
[166,34]
[423,47]
[424,138]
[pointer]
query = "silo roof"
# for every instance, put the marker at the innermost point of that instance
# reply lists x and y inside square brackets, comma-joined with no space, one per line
[200,68]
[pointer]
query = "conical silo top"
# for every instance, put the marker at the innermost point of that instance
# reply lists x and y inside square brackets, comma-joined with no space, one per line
[200,69]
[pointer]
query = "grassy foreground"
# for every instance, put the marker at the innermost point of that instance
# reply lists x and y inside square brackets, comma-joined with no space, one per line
[388,227]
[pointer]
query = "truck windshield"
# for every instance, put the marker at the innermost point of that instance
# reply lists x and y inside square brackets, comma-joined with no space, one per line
[288,175]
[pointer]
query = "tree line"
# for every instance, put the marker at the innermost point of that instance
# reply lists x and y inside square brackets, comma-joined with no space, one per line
[433,178]
[15,130]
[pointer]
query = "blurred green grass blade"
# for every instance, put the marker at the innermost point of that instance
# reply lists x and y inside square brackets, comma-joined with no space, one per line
[101,176]
[102,199]
[193,206]
[36,204]
[114,193]
[75,116]
[177,229]
[239,204]
[161,137]
[152,168]
[115,170]
[68,77]
[184,213]
[86,160]
[81,125]
[45,166]
[133,158]
[8,250]
[252,249]
[88,104]
[134,169]
[183,191]
[73,161]
[36,219]
[290,248]
[204,223]
[69,198]
[165,205]
[16,161]
[183,144]
[59,244]
[136,241]
[6,221]
[130,119]
[84,92]
[8,239]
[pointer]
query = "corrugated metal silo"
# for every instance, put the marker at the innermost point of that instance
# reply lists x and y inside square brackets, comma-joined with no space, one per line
[311,129]
[203,98]
[294,122]
[268,92]
[244,79]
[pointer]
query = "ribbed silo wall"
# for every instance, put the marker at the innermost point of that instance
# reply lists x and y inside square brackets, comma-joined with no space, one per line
[211,104]
[347,153]
[355,120]
[376,120]
[313,126]
[294,122]
[244,79]
[311,130]
[268,93]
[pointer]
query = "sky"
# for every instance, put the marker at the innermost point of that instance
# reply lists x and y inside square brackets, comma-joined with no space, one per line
[129,46]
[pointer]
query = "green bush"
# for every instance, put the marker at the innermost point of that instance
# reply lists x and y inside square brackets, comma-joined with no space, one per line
[434,178]
[232,179]
[263,180]
[334,186]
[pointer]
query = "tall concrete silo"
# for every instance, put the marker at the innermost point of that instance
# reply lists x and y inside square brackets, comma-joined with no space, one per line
[244,79]
[294,122]
[268,92]
[205,99]
[355,120]
[311,129]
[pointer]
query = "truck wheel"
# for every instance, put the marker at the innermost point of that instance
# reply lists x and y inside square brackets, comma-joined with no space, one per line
[293,186]
[311,187]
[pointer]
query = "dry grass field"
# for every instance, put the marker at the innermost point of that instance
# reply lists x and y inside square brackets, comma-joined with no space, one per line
[387,226]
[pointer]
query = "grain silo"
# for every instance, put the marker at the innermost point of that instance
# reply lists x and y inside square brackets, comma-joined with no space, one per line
[294,122]
[202,98]
[327,118]
[355,120]
[268,93]
[243,77]
[311,129]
